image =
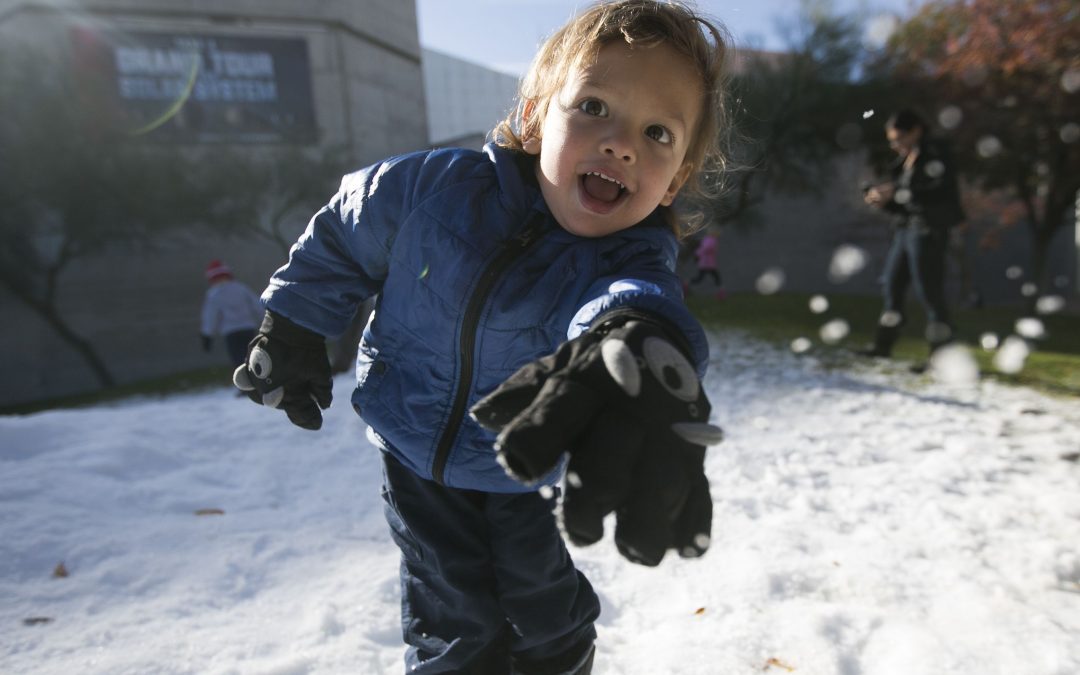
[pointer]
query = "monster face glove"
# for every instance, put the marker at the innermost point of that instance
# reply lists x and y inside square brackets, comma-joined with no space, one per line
[627,406]
[287,368]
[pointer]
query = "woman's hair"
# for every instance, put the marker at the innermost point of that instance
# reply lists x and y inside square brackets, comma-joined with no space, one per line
[905,120]
[637,23]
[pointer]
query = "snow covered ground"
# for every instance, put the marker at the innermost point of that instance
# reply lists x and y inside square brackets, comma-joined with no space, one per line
[868,522]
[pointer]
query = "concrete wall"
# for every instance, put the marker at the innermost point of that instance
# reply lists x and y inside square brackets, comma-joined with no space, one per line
[140,308]
[465,100]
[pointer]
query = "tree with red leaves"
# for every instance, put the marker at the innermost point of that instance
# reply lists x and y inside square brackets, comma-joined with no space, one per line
[1004,78]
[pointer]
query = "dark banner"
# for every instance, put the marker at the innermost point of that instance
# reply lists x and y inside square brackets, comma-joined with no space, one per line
[198,88]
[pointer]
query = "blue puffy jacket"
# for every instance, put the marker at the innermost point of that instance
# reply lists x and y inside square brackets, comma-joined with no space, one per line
[474,279]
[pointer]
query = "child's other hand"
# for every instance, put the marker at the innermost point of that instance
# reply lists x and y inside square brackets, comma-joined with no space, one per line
[628,407]
[287,368]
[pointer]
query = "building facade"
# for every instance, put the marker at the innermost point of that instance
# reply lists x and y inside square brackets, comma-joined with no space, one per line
[257,76]
[465,100]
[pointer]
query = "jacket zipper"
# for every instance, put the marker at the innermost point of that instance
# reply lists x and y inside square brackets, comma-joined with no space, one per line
[511,251]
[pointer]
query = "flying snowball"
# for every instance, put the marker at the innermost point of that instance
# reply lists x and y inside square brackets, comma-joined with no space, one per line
[890,319]
[770,281]
[879,29]
[954,364]
[950,117]
[847,261]
[1030,328]
[834,331]
[801,345]
[938,332]
[1049,304]
[988,146]
[1070,80]
[1012,355]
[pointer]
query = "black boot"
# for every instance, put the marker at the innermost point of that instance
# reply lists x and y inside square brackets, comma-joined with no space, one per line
[884,339]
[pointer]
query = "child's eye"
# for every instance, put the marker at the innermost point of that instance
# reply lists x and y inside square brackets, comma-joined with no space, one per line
[658,133]
[591,106]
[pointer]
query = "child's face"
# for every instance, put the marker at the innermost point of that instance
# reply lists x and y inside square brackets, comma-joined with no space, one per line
[614,138]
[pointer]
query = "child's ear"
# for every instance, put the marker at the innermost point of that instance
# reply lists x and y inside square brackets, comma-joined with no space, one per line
[676,183]
[531,143]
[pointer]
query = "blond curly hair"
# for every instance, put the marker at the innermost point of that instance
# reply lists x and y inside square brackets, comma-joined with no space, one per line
[637,23]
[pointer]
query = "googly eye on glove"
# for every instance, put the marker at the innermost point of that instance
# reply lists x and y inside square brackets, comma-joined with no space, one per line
[287,367]
[626,404]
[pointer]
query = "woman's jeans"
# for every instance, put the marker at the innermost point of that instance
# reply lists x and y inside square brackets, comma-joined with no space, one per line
[916,259]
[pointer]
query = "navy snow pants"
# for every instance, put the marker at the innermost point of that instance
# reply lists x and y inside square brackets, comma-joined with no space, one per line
[486,580]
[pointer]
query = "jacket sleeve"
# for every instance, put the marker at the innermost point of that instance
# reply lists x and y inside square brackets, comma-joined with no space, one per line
[342,257]
[645,281]
[208,319]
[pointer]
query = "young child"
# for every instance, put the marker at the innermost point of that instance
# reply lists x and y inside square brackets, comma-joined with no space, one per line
[230,309]
[529,325]
[706,261]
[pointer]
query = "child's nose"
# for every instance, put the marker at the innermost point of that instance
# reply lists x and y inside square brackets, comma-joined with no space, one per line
[618,144]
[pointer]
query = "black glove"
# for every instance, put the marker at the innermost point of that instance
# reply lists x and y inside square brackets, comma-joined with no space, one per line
[206,342]
[626,404]
[287,368]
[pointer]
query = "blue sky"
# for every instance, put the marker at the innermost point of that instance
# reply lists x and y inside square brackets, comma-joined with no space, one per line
[504,34]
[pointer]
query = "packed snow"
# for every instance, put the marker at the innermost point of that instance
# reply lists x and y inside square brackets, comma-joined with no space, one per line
[868,521]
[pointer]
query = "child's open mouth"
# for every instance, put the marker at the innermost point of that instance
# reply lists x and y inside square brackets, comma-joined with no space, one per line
[601,192]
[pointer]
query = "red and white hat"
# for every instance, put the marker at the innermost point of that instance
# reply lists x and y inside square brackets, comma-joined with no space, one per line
[216,269]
